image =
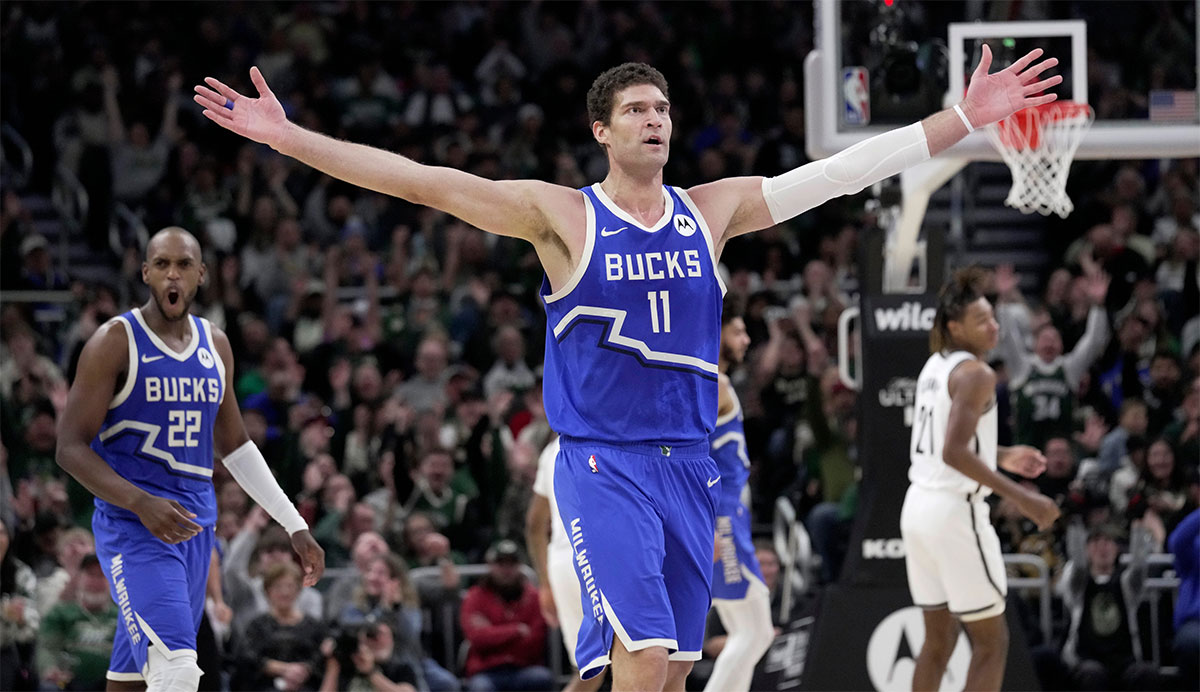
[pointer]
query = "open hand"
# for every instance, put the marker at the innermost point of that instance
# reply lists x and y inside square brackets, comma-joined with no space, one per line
[261,119]
[992,97]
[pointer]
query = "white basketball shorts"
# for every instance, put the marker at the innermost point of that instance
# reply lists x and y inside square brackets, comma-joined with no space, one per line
[953,555]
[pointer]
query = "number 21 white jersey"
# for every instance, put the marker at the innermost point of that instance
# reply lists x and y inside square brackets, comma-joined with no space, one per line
[930,421]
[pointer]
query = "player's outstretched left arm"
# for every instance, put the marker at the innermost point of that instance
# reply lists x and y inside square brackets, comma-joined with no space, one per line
[745,204]
[248,467]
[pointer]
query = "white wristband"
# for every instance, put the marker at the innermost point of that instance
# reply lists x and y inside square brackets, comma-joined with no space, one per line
[248,467]
[962,116]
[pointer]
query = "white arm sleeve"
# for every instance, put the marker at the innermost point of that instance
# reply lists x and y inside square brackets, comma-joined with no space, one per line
[844,173]
[248,467]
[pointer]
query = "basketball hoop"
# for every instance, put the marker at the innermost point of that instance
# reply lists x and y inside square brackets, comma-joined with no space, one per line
[1038,144]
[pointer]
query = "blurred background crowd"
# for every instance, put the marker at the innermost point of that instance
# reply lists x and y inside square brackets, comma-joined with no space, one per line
[389,355]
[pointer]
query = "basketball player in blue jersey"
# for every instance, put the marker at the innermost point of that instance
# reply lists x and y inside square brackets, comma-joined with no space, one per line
[633,299]
[148,412]
[739,593]
[952,554]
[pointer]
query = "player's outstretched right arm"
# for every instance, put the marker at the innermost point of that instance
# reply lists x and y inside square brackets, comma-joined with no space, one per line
[518,208]
[103,360]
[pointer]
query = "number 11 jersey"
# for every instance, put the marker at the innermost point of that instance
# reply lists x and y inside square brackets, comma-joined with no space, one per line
[633,338]
[158,433]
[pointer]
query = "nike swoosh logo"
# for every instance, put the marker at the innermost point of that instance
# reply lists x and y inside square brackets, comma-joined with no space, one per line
[151,359]
[713,481]
[605,232]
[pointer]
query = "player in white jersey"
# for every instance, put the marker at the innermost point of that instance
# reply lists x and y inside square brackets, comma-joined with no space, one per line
[658,576]
[955,568]
[550,550]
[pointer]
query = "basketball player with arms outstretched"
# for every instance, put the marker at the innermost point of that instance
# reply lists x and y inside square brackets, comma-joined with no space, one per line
[740,595]
[148,412]
[633,301]
[955,567]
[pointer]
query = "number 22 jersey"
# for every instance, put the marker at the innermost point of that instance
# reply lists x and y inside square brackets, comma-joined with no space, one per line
[158,433]
[633,338]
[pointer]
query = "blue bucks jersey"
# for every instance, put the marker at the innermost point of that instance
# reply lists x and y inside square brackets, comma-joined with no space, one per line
[727,445]
[632,340]
[158,433]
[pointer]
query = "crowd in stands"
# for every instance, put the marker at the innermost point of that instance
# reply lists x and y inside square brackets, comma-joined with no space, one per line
[389,355]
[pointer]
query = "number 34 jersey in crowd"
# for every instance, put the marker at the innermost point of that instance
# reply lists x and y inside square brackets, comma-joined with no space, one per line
[632,340]
[158,433]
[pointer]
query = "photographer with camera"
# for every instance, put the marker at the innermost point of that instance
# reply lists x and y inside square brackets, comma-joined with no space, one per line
[364,657]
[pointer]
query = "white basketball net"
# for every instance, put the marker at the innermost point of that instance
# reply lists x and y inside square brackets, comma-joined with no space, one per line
[1038,144]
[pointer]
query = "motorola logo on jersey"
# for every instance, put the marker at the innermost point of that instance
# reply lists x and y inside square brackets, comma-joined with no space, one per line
[205,357]
[686,225]
[908,317]
[652,265]
[893,648]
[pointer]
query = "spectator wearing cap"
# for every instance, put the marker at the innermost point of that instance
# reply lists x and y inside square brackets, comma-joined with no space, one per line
[74,641]
[37,274]
[502,623]
[1103,648]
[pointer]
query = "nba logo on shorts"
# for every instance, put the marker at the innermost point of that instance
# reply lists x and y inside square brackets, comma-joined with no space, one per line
[856,95]
[592,463]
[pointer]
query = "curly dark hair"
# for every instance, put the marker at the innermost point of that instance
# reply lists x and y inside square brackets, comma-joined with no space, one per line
[604,89]
[965,287]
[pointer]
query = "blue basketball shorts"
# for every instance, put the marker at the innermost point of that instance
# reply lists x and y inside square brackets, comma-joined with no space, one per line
[736,567]
[158,587]
[640,518]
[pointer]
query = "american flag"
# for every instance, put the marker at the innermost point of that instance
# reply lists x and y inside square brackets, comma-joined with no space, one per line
[1173,106]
